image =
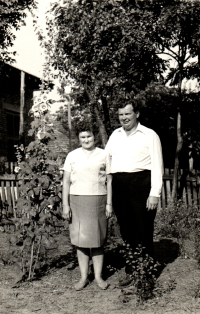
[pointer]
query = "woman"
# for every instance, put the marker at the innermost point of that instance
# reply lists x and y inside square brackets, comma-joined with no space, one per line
[87,203]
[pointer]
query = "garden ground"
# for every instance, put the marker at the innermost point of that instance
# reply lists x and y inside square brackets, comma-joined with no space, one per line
[177,290]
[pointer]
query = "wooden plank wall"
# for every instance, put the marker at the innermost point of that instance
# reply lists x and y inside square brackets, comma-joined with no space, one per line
[188,186]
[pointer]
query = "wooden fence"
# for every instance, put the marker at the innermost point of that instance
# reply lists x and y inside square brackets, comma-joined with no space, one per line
[189,188]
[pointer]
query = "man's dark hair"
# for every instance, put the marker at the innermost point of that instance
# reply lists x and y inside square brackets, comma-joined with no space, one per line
[132,102]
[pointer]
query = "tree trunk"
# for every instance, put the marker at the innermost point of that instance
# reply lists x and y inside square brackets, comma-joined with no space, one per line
[22,102]
[179,134]
[102,129]
[106,115]
[176,163]
[69,124]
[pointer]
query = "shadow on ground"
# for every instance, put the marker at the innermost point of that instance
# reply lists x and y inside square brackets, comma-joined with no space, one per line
[165,252]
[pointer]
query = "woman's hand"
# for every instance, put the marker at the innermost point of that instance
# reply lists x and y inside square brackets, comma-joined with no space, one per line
[67,213]
[109,211]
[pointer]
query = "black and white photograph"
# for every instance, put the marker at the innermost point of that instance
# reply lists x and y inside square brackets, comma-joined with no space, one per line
[100,156]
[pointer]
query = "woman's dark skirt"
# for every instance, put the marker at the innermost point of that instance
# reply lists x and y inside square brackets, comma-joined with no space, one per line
[88,227]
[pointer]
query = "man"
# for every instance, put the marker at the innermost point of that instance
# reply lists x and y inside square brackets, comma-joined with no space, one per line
[137,169]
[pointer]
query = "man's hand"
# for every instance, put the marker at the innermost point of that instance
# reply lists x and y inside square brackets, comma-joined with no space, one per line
[152,202]
[67,213]
[109,211]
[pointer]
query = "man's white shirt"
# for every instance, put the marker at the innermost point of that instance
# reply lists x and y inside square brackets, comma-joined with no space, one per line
[138,151]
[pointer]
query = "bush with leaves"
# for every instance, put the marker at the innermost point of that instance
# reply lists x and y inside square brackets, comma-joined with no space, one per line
[40,188]
[143,270]
[181,221]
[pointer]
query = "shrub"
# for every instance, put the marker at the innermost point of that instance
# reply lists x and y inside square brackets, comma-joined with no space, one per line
[143,270]
[182,222]
[40,188]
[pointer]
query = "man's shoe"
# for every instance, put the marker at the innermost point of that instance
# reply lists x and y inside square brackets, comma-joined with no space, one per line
[126,281]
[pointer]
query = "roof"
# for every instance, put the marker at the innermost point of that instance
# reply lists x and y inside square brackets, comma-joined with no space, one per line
[18,68]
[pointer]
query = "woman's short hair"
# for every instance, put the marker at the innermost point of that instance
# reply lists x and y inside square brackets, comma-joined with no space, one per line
[86,126]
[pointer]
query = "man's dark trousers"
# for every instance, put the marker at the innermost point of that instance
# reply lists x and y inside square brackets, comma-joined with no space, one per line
[130,194]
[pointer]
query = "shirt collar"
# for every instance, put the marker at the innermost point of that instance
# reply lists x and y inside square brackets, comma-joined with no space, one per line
[139,128]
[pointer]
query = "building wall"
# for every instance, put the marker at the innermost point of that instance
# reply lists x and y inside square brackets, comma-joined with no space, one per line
[10,82]
[3,134]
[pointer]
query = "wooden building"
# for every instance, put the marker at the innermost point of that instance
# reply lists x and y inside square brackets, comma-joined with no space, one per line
[16,90]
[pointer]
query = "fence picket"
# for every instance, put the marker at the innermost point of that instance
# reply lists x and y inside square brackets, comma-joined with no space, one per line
[168,187]
[184,195]
[9,200]
[194,189]
[189,194]
[3,196]
[13,198]
[163,196]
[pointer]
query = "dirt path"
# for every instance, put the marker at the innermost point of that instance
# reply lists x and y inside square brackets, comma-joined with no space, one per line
[53,293]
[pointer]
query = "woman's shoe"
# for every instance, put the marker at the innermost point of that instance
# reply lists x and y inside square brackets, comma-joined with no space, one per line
[103,285]
[81,284]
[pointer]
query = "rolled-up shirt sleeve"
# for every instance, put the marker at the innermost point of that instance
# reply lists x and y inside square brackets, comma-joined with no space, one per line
[108,163]
[67,164]
[108,156]
[157,170]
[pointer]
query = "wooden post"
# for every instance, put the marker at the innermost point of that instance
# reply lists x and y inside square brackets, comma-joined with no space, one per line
[191,160]
[69,123]
[22,102]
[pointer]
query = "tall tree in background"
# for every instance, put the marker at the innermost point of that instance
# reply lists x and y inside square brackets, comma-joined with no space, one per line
[12,15]
[176,33]
[103,48]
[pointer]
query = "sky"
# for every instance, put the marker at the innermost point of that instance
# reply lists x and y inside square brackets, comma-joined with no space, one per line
[29,56]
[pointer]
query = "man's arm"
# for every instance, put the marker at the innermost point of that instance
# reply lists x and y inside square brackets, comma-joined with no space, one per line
[109,209]
[155,150]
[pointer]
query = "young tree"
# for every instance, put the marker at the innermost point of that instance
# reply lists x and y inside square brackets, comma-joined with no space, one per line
[103,48]
[12,15]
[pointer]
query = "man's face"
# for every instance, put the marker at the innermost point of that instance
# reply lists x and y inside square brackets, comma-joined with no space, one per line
[128,118]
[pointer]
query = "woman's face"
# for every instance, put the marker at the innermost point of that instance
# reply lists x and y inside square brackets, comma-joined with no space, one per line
[86,140]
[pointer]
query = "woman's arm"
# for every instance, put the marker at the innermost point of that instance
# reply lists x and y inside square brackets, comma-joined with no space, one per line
[109,209]
[65,196]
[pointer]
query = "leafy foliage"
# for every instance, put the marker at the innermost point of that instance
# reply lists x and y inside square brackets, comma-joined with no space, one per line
[176,33]
[39,194]
[143,271]
[111,50]
[102,48]
[12,15]
[159,103]
[180,221]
